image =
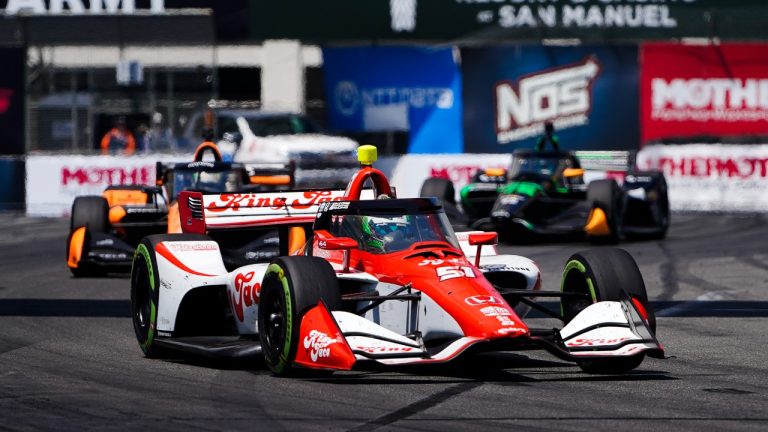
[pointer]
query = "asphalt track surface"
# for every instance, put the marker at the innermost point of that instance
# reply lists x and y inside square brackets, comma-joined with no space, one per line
[69,359]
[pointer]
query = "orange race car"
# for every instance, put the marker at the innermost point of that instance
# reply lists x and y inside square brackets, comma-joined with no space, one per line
[105,229]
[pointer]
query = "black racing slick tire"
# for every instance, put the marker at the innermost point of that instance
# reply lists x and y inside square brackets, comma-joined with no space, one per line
[605,274]
[145,296]
[439,187]
[291,287]
[606,195]
[91,212]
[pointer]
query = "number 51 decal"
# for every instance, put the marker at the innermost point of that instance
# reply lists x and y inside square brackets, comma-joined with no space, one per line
[452,272]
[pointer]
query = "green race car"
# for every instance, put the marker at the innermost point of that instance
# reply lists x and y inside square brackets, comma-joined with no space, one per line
[543,194]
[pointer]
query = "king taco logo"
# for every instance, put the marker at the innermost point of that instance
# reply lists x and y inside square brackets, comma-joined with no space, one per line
[245,294]
[233,202]
[562,96]
[318,344]
[595,341]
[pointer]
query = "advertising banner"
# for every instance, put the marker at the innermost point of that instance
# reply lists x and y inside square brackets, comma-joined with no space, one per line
[12,100]
[396,89]
[53,182]
[121,22]
[690,92]
[712,177]
[589,93]
[498,20]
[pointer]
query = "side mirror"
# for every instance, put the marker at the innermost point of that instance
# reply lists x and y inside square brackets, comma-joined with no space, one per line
[485,238]
[340,243]
[480,240]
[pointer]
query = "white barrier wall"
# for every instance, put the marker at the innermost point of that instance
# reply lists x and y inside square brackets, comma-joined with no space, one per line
[411,170]
[712,177]
[701,177]
[53,182]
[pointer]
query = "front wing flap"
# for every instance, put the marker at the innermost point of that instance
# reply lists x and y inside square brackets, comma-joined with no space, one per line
[608,329]
[98,250]
[338,339]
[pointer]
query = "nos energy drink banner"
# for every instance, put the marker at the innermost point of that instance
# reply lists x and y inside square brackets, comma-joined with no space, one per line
[397,89]
[590,94]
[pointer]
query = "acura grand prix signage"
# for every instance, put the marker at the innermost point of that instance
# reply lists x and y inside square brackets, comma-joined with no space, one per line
[712,91]
[588,93]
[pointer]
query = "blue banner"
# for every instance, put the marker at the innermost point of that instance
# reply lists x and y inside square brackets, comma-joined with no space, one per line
[589,93]
[397,89]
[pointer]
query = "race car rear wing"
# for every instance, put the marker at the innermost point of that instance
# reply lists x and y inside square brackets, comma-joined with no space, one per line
[593,160]
[271,174]
[200,213]
[254,174]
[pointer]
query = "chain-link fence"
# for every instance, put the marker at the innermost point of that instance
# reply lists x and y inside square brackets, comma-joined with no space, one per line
[72,109]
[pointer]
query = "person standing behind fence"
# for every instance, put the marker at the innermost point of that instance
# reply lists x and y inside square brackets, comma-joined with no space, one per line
[118,139]
[548,137]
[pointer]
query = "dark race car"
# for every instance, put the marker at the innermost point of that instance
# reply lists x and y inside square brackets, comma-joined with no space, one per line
[544,194]
[106,229]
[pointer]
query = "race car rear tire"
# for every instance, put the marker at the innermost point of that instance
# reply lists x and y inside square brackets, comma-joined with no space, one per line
[660,215]
[91,212]
[145,296]
[439,187]
[605,274]
[606,195]
[291,287]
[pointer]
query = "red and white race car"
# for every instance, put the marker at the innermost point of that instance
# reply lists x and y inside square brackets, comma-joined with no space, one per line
[373,280]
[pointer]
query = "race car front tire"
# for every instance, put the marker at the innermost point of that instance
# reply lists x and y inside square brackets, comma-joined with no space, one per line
[145,283]
[605,274]
[91,213]
[291,287]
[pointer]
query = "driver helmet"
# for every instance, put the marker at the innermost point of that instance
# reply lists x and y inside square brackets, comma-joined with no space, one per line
[379,231]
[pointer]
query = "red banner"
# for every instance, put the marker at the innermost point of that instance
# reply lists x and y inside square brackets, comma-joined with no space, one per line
[697,91]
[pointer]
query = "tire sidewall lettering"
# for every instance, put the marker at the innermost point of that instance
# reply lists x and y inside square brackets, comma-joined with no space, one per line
[144,253]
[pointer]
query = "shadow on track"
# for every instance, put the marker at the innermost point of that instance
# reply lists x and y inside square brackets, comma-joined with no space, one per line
[501,368]
[122,308]
[692,309]
[65,308]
